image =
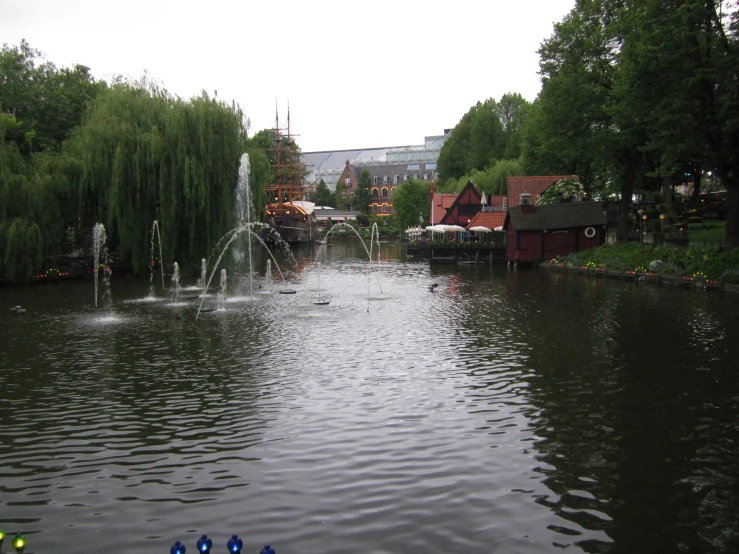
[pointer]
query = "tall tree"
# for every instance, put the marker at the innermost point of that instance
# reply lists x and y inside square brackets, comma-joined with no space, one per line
[148,156]
[476,142]
[512,110]
[46,101]
[411,201]
[323,196]
[364,192]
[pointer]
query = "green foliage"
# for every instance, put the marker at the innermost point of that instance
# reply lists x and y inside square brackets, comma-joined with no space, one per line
[513,111]
[341,196]
[323,196]
[21,247]
[692,259]
[412,199]
[364,192]
[561,192]
[492,180]
[47,102]
[146,155]
[608,113]
[283,149]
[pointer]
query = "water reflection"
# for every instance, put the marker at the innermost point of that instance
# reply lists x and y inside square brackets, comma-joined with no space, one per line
[504,411]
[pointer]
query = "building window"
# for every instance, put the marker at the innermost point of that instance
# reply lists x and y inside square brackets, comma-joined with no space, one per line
[425,176]
[374,192]
[505,201]
[374,208]
[392,191]
[343,194]
[430,166]
[415,176]
[413,167]
[405,177]
[384,207]
[351,194]
[384,179]
[384,193]
[395,179]
[375,180]
[347,182]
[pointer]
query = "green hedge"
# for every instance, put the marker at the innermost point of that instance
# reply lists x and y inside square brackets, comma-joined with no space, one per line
[709,261]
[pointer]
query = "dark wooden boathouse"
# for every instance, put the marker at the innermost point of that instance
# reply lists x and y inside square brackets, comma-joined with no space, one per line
[538,233]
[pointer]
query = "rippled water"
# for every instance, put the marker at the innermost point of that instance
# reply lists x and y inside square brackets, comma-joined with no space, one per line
[504,412]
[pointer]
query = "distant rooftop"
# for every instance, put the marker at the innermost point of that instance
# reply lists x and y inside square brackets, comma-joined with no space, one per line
[328,165]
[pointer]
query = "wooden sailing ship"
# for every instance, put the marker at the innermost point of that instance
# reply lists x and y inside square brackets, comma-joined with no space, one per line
[288,212]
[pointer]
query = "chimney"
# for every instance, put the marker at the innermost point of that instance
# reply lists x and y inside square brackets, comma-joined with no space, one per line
[526,203]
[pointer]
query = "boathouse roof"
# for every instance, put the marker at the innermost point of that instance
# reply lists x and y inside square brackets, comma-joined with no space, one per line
[558,216]
[535,185]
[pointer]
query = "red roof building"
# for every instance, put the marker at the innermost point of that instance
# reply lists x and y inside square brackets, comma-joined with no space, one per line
[538,233]
[491,220]
[465,206]
[534,185]
[441,202]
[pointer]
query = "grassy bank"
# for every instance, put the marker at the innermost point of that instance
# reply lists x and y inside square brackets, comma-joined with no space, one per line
[709,262]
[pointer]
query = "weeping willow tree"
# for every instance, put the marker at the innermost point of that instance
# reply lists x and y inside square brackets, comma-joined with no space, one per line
[145,155]
[32,207]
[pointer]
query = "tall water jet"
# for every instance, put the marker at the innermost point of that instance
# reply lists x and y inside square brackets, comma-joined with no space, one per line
[222,292]
[98,248]
[155,227]
[320,302]
[176,282]
[268,276]
[245,208]
[203,274]
[375,233]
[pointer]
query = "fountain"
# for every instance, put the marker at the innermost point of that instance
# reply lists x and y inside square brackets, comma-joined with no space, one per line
[176,282]
[369,253]
[98,247]
[375,233]
[268,278]
[222,293]
[201,281]
[320,302]
[244,210]
[155,227]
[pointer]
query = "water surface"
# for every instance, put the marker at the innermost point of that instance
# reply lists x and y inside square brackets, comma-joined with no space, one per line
[504,412]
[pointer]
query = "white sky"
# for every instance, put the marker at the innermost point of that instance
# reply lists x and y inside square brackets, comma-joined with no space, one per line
[356,75]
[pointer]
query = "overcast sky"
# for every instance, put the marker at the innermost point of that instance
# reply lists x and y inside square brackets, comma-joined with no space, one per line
[356,74]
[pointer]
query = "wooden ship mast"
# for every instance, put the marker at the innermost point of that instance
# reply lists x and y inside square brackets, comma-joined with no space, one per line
[288,170]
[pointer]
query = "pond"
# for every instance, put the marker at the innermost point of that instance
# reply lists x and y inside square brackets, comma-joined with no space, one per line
[500,411]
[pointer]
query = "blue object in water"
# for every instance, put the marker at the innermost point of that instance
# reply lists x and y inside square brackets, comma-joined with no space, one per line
[235,544]
[204,544]
[177,548]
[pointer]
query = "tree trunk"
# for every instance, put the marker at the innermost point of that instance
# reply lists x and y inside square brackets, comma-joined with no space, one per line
[667,191]
[697,177]
[630,175]
[624,205]
[732,219]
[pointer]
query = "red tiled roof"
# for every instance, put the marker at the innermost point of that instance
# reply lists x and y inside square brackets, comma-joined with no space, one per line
[491,220]
[441,203]
[496,201]
[534,185]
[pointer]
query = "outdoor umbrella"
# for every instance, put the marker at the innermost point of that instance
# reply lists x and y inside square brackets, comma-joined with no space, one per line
[480,229]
